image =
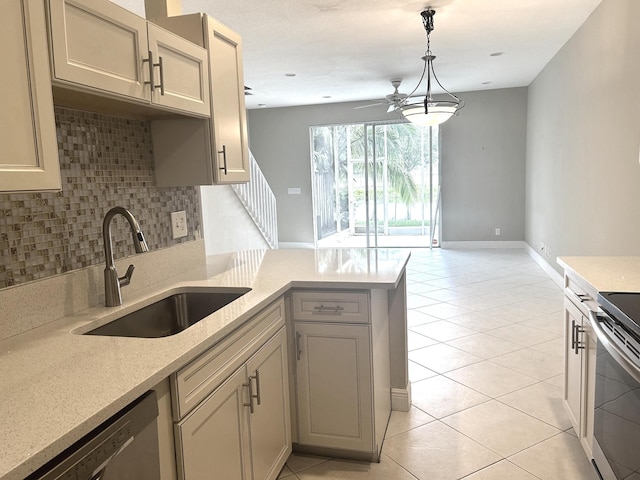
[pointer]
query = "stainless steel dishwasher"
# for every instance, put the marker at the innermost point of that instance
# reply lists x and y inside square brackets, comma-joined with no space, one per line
[125,447]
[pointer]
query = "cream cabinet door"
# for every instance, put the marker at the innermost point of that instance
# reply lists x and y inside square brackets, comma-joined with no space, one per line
[270,425]
[572,365]
[180,72]
[334,389]
[229,117]
[98,44]
[213,440]
[579,373]
[29,158]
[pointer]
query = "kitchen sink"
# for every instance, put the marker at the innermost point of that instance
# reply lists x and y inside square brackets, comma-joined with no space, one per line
[170,315]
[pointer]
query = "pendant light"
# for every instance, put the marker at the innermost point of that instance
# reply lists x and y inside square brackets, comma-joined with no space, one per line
[431,111]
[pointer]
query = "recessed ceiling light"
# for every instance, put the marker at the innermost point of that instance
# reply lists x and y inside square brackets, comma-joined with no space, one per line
[262,105]
[289,74]
[496,54]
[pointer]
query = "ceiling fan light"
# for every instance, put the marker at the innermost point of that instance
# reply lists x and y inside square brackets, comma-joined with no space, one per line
[437,114]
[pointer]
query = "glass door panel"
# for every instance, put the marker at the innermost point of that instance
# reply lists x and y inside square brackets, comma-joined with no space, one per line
[376,184]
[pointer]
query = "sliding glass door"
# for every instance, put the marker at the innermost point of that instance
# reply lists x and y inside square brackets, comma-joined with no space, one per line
[376,184]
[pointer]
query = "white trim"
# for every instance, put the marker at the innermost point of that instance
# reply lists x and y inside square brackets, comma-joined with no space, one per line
[548,269]
[401,399]
[484,244]
[296,245]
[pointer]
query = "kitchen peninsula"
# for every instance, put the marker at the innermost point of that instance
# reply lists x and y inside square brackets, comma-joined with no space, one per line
[59,384]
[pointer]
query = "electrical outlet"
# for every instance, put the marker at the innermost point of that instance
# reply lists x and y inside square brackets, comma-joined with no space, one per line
[497,232]
[179,224]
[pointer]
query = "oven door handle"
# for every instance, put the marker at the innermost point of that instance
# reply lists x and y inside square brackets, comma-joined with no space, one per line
[614,350]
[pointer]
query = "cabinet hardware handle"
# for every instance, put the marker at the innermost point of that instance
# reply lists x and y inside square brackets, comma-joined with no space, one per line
[161,67]
[576,330]
[337,309]
[151,81]
[257,395]
[250,404]
[582,297]
[298,345]
[224,158]
[152,65]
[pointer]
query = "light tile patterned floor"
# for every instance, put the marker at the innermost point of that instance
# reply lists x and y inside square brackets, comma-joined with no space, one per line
[485,351]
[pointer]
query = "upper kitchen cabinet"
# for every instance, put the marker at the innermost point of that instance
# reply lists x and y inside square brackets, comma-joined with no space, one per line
[216,151]
[29,159]
[99,47]
[229,111]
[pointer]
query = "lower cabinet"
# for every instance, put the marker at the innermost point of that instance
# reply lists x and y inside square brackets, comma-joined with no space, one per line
[215,438]
[342,374]
[269,408]
[241,429]
[334,386]
[579,362]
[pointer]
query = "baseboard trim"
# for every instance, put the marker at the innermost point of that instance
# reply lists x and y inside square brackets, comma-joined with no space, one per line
[484,244]
[548,269]
[295,245]
[401,399]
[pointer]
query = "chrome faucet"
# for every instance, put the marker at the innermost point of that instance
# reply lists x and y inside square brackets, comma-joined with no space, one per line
[112,283]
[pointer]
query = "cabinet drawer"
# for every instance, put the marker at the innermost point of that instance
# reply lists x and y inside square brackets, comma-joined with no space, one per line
[583,296]
[327,306]
[194,382]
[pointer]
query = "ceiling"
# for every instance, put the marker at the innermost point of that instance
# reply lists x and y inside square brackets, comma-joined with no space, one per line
[348,50]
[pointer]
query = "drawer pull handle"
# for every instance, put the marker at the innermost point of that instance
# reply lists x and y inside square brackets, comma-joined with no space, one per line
[336,310]
[298,345]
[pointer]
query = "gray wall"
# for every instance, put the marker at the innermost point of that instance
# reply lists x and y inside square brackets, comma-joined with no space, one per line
[483,176]
[483,167]
[583,138]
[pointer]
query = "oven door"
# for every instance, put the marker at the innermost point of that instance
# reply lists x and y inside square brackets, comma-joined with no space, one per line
[616,442]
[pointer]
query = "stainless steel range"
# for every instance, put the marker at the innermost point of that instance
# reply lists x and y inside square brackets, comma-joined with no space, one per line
[616,443]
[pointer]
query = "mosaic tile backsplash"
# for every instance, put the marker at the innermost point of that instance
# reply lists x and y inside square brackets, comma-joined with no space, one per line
[105,161]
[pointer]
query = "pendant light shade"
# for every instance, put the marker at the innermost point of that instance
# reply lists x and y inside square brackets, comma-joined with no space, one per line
[430,111]
[436,115]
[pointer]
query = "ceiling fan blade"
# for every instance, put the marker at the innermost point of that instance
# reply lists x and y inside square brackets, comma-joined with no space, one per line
[370,105]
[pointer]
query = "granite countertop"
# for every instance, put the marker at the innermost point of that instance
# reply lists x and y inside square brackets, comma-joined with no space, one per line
[606,274]
[57,385]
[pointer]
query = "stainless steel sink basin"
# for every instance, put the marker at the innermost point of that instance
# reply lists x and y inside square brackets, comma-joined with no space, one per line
[170,315]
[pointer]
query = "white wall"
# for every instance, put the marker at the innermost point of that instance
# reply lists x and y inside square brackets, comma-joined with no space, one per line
[583,140]
[483,175]
[227,227]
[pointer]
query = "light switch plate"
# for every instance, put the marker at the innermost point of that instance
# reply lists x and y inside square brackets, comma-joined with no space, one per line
[179,224]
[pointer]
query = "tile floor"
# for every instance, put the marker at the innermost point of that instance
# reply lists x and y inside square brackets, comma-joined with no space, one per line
[485,362]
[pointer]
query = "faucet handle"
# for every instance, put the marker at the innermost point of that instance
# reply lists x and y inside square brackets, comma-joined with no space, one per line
[124,281]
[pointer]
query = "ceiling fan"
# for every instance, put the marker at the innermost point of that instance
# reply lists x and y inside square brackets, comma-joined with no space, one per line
[394,100]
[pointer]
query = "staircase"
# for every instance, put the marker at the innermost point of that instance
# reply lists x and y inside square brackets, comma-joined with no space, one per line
[260,202]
